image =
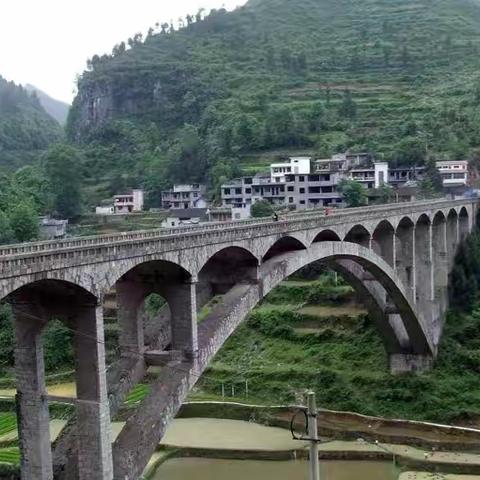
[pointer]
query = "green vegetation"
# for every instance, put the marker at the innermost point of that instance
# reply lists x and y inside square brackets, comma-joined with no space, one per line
[8,423]
[25,128]
[353,192]
[137,394]
[262,208]
[238,90]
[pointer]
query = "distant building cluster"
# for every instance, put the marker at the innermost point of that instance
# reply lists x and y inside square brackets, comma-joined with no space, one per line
[297,183]
[303,183]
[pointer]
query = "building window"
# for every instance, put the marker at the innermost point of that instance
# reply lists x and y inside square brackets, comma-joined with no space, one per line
[248,190]
[289,178]
[301,178]
[226,191]
[290,199]
[302,202]
[278,179]
[302,190]
[314,178]
[238,191]
[248,181]
[291,189]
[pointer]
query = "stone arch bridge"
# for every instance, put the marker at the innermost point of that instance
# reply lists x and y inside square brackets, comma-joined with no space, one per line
[398,257]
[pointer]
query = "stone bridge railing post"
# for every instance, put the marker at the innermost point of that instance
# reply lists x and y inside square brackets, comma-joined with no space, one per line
[32,402]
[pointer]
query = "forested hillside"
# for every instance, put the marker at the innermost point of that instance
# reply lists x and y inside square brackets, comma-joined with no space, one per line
[25,128]
[233,89]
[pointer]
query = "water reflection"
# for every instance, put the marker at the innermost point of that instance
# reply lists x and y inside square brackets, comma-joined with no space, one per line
[209,469]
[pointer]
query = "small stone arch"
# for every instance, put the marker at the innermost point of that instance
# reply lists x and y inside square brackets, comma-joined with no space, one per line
[463,223]
[33,306]
[404,258]
[453,235]
[226,268]
[359,235]
[327,236]
[283,245]
[383,241]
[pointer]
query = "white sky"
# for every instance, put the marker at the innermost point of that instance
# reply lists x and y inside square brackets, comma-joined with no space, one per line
[47,42]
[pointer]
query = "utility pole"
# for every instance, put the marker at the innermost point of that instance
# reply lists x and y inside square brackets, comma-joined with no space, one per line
[313,435]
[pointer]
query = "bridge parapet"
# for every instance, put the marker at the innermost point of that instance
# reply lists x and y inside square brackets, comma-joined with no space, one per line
[28,258]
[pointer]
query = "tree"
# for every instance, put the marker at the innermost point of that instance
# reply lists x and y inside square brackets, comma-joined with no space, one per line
[58,345]
[262,208]
[6,232]
[348,107]
[24,222]
[432,185]
[384,193]
[187,158]
[62,164]
[7,336]
[353,192]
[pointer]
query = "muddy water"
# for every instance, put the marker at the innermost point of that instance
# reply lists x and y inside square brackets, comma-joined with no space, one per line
[208,469]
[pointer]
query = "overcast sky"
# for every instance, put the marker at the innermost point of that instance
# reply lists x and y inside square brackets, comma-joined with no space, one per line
[47,42]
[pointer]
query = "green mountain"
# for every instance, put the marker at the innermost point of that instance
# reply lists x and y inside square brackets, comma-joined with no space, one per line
[26,129]
[55,108]
[399,78]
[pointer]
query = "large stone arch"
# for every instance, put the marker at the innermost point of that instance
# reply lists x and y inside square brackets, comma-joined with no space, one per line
[34,305]
[280,268]
[168,279]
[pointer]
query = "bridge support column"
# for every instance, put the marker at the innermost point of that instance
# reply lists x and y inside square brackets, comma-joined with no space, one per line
[32,403]
[424,270]
[440,262]
[453,238]
[405,256]
[93,411]
[130,295]
[182,299]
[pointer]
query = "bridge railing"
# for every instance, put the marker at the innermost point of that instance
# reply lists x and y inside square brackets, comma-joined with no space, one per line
[35,248]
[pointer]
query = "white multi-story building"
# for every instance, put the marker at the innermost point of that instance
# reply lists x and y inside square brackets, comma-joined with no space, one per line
[131,202]
[454,173]
[295,165]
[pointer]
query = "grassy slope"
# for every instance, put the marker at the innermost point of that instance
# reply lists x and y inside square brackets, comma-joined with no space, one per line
[345,362]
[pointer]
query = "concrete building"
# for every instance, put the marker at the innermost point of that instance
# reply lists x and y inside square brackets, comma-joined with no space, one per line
[185,196]
[131,202]
[105,210]
[51,228]
[178,217]
[399,176]
[454,173]
[302,183]
[295,165]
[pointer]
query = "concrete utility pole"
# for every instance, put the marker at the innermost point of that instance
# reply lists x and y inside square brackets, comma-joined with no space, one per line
[313,436]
